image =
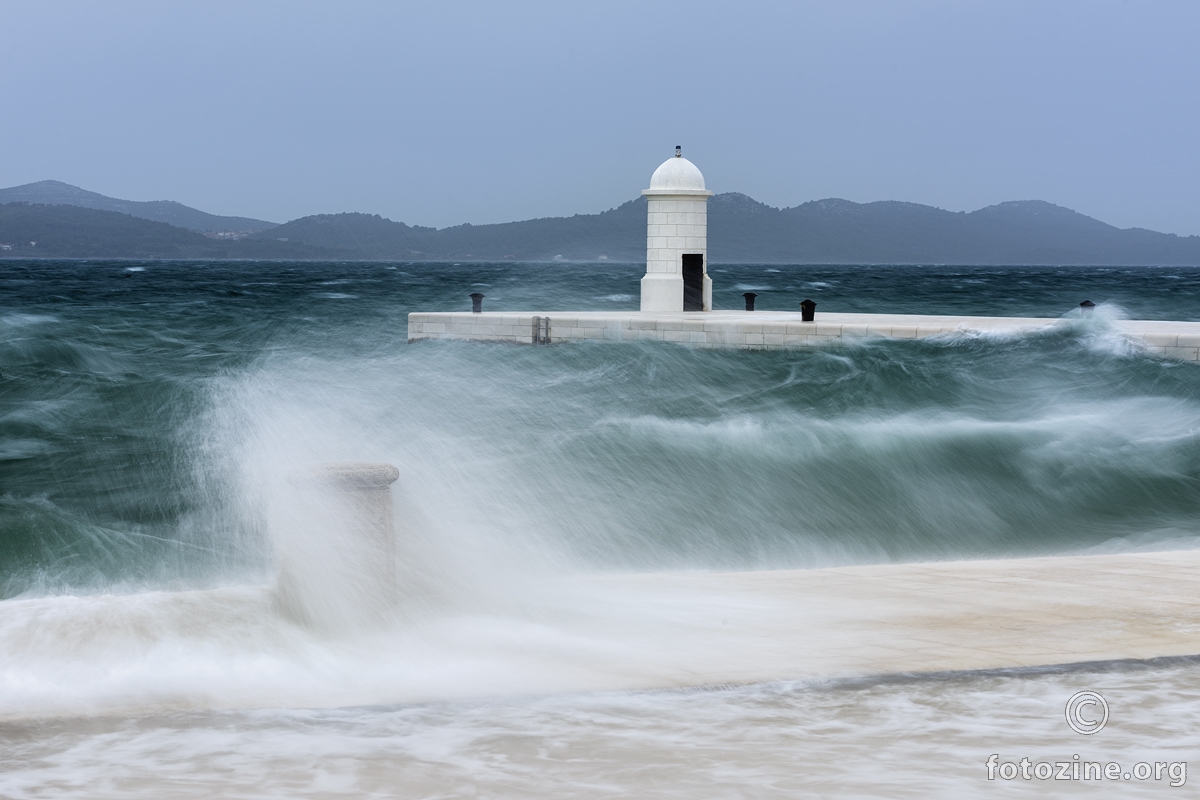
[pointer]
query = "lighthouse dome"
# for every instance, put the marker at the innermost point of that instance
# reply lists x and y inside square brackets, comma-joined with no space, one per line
[677,175]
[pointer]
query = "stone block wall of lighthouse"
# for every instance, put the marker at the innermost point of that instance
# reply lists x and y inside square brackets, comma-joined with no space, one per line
[675,225]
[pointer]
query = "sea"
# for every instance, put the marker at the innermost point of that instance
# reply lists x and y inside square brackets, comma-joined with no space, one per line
[150,411]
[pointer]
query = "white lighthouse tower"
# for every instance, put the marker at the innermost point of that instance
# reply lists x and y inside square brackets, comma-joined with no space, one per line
[677,239]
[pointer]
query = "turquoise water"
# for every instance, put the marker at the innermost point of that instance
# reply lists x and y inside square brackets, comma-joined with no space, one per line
[140,403]
[149,413]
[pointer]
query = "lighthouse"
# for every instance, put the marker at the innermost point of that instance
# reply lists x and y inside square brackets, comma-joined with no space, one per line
[676,239]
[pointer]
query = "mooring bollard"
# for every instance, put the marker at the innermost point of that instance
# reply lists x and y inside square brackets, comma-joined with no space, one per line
[338,552]
[808,310]
[1087,306]
[476,302]
[749,300]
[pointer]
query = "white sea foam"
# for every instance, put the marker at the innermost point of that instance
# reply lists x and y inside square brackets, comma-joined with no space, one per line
[925,738]
[522,469]
[24,320]
[238,648]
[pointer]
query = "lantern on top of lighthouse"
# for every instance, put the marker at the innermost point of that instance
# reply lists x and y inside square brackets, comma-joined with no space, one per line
[677,239]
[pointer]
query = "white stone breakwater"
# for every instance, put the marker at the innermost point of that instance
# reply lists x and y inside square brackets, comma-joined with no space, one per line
[766,330]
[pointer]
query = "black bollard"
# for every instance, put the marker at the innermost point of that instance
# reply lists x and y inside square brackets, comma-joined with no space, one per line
[476,302]
[749,300]
[808,310]
[1086,306]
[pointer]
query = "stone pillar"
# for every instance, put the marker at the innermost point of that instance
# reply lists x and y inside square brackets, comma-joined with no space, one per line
[337,548]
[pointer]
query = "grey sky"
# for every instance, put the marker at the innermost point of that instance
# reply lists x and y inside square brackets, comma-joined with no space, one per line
[441,113]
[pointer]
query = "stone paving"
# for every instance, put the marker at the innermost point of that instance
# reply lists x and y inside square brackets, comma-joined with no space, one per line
[934,617]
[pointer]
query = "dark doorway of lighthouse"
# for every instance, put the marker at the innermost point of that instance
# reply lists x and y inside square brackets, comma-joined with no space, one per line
[693,282]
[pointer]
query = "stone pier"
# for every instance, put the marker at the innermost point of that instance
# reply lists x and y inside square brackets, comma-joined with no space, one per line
[763,330]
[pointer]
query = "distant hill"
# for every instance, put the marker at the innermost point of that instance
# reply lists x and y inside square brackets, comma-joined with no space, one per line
[619,234]
[63,231]
[56,193]
[740,230]
[1020,232]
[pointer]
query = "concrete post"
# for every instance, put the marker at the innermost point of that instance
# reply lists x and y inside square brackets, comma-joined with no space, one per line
[366,490]
[338,552]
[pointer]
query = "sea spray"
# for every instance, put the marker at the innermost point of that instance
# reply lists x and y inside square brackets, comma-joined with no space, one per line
[150,428]
[143,423]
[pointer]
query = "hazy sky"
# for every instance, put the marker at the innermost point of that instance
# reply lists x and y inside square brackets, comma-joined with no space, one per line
[443,112]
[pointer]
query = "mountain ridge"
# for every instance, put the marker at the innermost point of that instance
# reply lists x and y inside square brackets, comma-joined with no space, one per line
[66,231]
[54,193]
[741,230]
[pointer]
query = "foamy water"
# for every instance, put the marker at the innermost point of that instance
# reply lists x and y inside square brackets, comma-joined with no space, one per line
[920,738]
[150,420]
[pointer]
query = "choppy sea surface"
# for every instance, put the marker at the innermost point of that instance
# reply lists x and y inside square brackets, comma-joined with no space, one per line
[147,410]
